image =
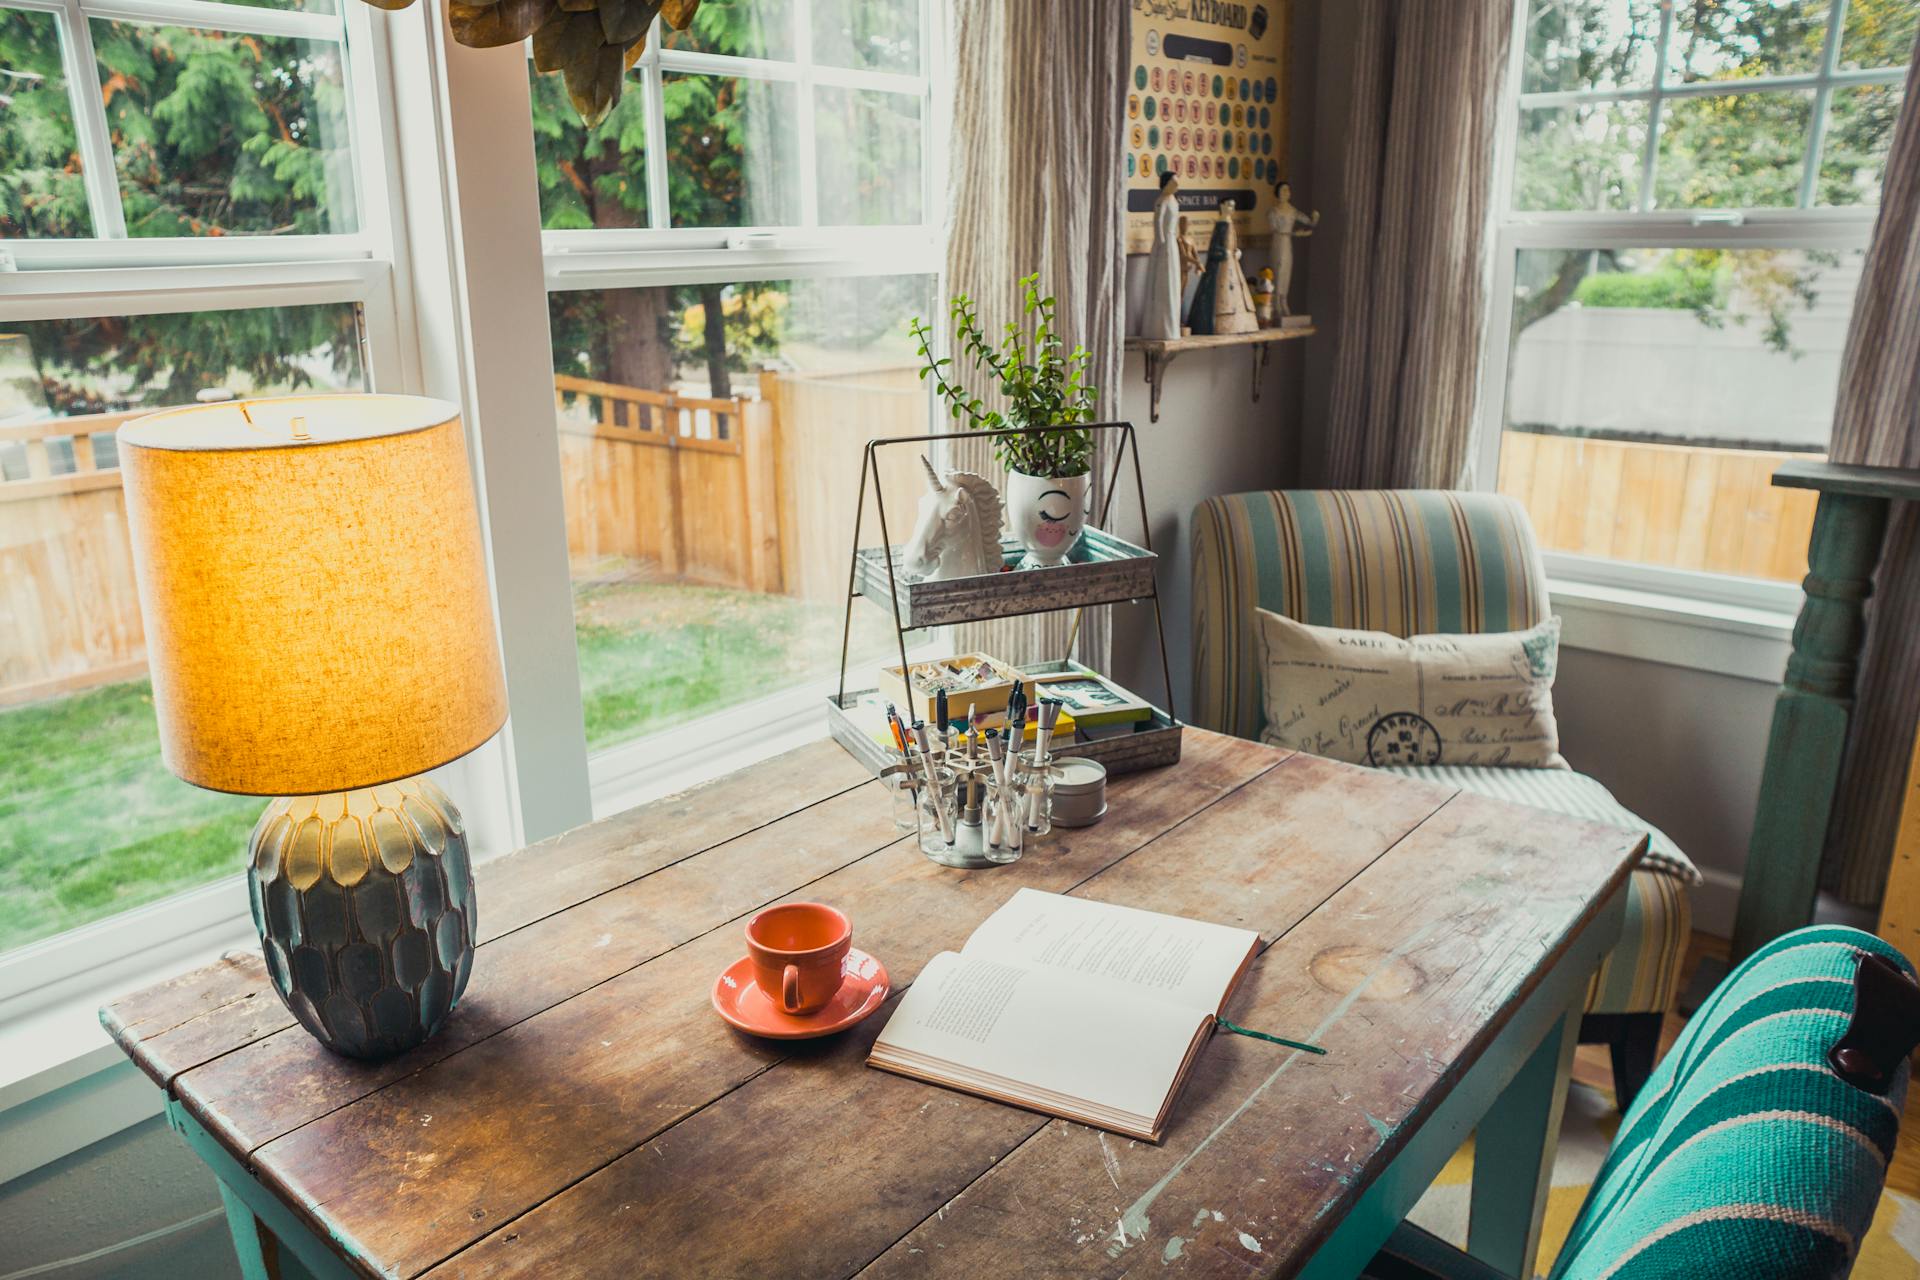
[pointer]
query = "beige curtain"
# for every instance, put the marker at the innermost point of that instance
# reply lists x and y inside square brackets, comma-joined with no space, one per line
[1038,138]
[1876,423]
[1418,181]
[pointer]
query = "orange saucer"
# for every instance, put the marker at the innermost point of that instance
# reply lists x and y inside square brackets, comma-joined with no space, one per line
[739,999]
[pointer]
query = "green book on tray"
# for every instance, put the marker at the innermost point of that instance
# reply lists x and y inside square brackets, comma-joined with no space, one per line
[1092,700]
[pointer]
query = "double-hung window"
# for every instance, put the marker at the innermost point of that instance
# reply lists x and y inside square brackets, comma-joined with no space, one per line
[193,204]
[732,257]
[1688,189]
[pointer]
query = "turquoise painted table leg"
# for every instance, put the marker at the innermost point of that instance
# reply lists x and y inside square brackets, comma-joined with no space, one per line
[271,1243]
[1542,1026]
[1513,1151]
[1810,718]
[253,1244]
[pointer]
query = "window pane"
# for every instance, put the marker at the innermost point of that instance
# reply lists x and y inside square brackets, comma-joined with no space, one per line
[711,476]
[743,28]
[1879,33]
[868,148]
[1740,39]
[1581,44]
[1740,151]
[588,177]
[1854,155]
[868,35]
[305,6]
[1584,157]
[730,149]
[91,822]
[223,134]
[45,194]
[1652,393]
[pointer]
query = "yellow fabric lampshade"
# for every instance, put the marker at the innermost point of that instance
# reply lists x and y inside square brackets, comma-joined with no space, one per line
[314,590]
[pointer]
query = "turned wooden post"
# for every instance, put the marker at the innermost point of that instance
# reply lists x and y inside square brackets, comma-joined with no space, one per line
[1815,704]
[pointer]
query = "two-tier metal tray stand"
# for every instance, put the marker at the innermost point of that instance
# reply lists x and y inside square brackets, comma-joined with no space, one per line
[1102,570]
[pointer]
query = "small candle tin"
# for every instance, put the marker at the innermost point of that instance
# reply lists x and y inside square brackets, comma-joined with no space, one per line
[1079,791]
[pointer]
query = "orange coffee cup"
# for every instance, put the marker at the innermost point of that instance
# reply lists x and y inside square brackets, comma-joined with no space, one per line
[797,949]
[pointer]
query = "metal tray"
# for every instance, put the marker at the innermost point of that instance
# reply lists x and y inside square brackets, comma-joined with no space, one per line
[1102,569]
[1153,743]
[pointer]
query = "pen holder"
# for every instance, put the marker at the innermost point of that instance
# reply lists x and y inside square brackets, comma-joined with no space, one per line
[1037,782]
[1004,837]
[901,782]
[937,815]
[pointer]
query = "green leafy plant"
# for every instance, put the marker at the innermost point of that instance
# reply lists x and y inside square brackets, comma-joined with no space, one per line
[1042,387]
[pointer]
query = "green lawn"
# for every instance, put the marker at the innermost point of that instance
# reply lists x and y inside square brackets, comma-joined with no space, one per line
[91,822]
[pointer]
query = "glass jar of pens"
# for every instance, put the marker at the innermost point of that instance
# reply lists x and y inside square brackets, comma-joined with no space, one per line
[977,797]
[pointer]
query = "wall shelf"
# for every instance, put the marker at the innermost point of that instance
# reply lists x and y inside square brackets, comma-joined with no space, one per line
[1160,353]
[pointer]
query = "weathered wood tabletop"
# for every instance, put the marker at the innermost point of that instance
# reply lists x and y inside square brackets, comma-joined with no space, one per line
[585,1112]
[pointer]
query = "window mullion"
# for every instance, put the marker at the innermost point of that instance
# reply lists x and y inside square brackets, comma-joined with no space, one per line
[1650,159]
[1822,98]
[803,54]
[236,19]
[653,84]
[90,123]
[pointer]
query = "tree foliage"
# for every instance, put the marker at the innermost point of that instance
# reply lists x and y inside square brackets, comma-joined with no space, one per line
[1731,150]
[212,134]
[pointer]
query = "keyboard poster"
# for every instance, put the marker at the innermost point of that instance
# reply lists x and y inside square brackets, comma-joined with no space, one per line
[1206,100]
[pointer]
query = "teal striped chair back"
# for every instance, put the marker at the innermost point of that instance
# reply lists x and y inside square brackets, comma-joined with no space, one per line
[1403,561]
[1746,1154]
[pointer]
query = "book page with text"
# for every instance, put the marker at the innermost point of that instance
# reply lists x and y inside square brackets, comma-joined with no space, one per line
[1052,1032]
[1186,962]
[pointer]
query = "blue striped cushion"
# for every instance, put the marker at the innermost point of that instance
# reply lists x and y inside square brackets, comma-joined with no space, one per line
[1745,1155]
[1565,792]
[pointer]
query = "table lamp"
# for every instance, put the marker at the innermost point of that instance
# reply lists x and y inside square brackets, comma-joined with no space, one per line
[319,629]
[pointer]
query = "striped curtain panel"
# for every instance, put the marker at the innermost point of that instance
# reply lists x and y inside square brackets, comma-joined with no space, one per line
[1039,139]
[1418,184]
[1876,423]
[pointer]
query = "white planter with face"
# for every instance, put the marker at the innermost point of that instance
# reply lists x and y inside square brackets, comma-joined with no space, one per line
[1046,514]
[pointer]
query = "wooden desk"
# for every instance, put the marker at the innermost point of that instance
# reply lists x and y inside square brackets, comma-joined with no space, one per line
[585,1113]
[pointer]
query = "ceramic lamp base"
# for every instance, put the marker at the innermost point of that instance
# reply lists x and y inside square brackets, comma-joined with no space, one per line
[364,902]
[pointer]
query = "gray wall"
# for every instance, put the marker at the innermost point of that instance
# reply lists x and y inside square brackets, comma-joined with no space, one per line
[142,1182]
[1682,748]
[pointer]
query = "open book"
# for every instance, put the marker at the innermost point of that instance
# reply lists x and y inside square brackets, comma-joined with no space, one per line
[1076,1008]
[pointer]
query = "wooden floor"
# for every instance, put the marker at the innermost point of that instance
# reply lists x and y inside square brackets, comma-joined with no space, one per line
[1592,1067]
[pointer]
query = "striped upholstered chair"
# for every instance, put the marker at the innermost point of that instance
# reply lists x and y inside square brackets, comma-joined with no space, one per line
[1420,562]
[1749,1153]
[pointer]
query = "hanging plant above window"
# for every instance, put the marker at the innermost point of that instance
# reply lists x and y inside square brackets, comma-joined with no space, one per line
[593,43]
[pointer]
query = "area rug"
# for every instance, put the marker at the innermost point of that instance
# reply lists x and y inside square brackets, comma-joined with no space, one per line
[1891,1251]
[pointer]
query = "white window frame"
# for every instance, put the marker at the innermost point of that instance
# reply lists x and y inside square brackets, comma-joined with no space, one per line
[451,271]
[1645,227]
[660,255]
[115,275]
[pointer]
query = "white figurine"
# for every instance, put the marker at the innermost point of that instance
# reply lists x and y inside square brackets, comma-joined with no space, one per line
[958,532]
[1232,301]
[1162,319]
[1190,271]
[1286,222]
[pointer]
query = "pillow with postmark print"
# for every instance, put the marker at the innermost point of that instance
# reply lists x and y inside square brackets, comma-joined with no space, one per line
[1367,697]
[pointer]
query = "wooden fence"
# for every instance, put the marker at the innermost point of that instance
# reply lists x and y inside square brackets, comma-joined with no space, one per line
[682,484]
[755,494]
[69,611]
[1713,510]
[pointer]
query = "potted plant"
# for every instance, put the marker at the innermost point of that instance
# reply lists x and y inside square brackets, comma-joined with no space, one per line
[1047,490]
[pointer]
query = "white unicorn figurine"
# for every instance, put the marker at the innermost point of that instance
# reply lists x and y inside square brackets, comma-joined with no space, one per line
[958,533]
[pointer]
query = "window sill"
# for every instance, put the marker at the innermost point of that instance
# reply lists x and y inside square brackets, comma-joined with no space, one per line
[64,1084]
[1751,643]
